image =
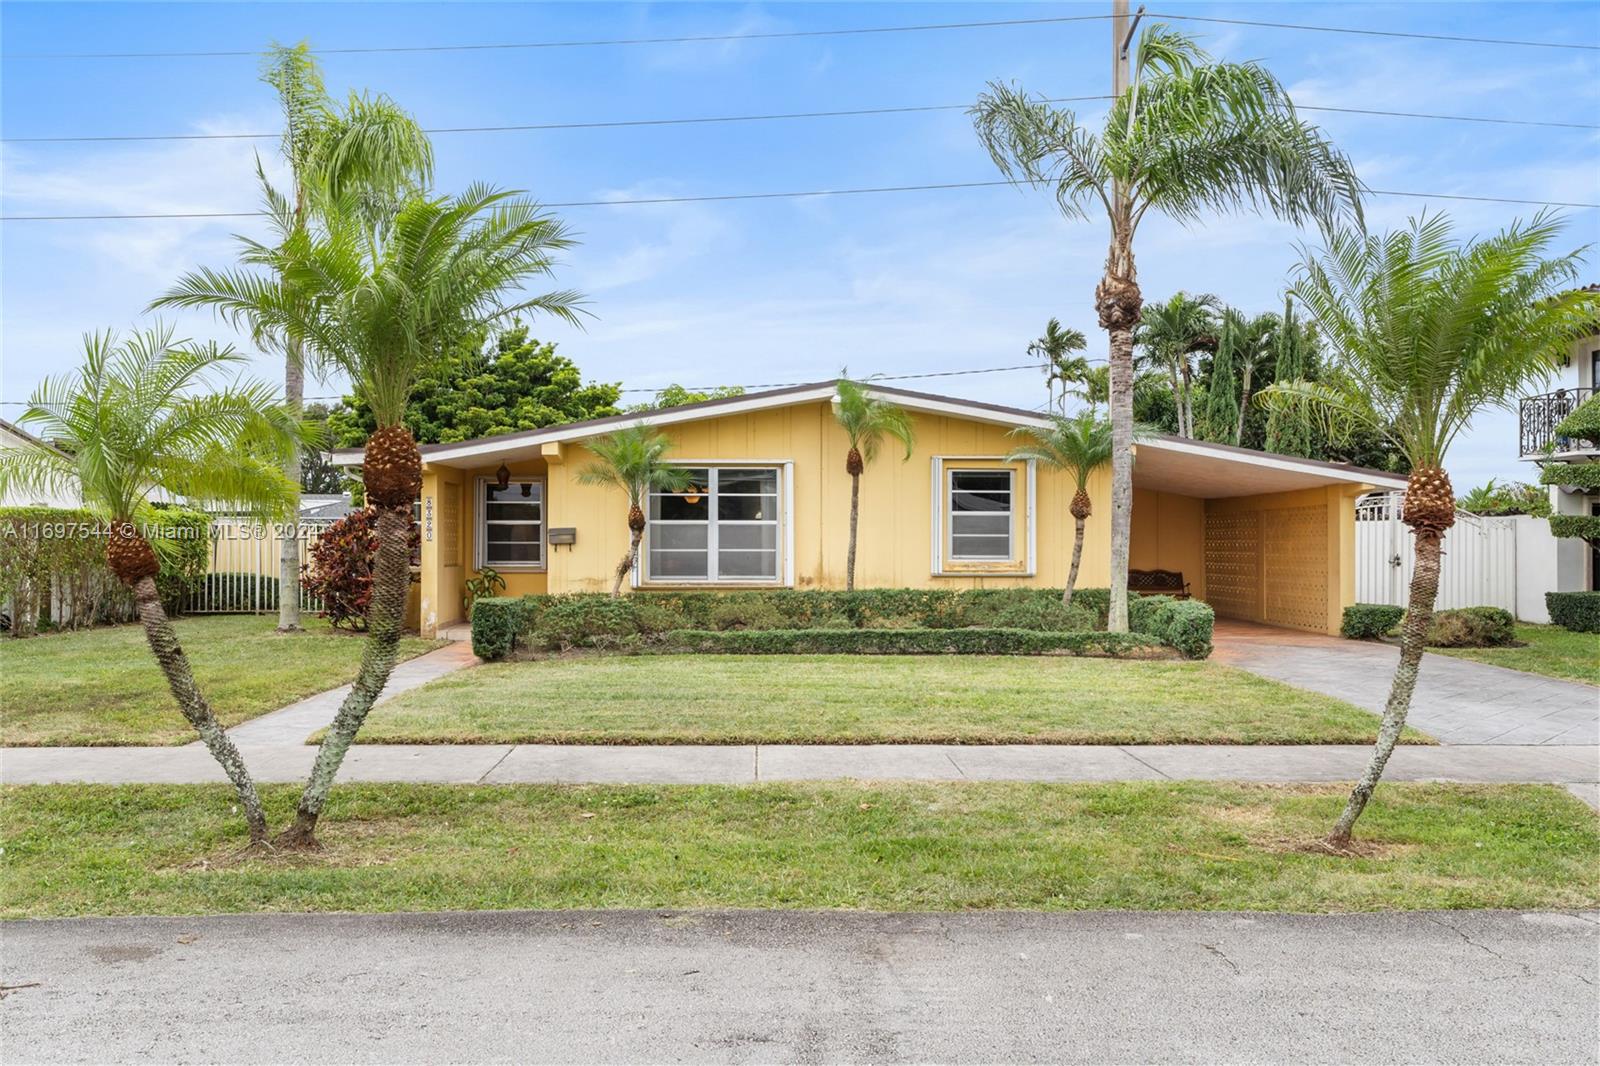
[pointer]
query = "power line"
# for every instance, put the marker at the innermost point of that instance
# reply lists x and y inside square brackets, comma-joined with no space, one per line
[1382,33]
[792,34]
[710,119]
[725,197]
[605,43]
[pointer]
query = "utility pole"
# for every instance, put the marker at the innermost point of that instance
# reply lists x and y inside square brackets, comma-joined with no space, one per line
[1119,49]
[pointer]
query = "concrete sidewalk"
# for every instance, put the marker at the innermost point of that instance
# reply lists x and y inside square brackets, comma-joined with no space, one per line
[747,764]
[805,986]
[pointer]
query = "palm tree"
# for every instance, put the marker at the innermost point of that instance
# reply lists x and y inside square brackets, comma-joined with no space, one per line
[379,303]
[1255,345]
[866,420]
[634,460]
[370,149]
[1171,333]
[132,419]
[1077,447]
[1189,135]
[1424,334]
[1055,350]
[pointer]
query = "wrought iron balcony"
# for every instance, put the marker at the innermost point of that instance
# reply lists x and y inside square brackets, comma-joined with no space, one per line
[1541,414]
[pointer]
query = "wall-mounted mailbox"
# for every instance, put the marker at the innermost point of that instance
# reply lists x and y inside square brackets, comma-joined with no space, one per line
[567,535]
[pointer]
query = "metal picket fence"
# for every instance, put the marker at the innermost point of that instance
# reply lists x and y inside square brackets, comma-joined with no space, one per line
[243,575]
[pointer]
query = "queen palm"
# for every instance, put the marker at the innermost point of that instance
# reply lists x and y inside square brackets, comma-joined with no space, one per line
[1190,135]
[866,419]
[1424,334]
[1077,447]
[633,460]
[136,417]
[371,150]
[378,303]
[1061,367]
[1171,333]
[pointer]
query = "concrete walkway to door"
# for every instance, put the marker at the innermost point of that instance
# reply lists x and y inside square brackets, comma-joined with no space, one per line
[1457,701]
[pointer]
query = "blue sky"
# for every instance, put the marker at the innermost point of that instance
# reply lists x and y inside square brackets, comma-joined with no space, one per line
[766,291]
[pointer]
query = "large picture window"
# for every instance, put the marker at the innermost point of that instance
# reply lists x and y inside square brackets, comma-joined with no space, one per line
[724,526]
[511,522]
[980,514]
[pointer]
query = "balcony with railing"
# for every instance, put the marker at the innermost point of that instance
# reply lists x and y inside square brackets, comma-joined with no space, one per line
[1540,415]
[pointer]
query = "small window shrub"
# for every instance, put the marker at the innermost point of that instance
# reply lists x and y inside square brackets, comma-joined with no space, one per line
[1369,621]
[1577,611]
[499,624]
[1472,627]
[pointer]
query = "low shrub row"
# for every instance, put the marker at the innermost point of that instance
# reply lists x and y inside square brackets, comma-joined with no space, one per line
[1577,611]
[1459,627]
[908,642]
[500,623]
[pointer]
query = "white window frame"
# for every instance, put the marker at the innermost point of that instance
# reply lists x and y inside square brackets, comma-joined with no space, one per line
[784,522]
[1022,561]
[480,522]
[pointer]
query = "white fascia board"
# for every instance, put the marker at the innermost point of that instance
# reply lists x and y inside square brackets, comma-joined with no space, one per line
[1275,462]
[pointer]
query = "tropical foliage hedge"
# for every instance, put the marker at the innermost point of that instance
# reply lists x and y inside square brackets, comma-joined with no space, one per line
[1577,611]
[500,624]
[53,570]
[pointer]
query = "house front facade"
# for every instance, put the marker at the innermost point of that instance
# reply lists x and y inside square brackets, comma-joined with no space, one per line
[1260,537]
[1576,564]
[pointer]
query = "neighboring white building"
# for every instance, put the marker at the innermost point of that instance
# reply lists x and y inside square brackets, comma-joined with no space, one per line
[1576,564]
[13,436]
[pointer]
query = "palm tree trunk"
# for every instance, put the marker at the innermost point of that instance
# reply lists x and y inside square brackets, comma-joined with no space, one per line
[1244,402]
[163,640]
[626,566]
[391,579]
[1121,475]
[294,388]
[1077,557]
[855,512]
[1413,634]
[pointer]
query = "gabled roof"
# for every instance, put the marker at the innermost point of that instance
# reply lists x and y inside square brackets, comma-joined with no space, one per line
[485,450]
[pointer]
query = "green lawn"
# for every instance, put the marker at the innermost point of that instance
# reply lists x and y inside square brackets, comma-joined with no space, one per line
[873,699]
[171,849]
[1550,650]
[102,686]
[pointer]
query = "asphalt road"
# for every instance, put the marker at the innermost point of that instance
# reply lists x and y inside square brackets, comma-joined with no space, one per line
[629,986]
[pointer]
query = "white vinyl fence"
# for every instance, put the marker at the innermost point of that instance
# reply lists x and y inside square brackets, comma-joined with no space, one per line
[1479,568]
[243,575]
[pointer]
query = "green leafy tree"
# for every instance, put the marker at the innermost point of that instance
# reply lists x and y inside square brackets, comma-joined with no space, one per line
[369,150]
[514,383]
[1294,359]
[866,420]
[351,292]
[1077,447]
[1222,391]
[633,459]
[677,396]
[145,413]
[1063,369]
[1171,334]
[1425,333]
[1188,136]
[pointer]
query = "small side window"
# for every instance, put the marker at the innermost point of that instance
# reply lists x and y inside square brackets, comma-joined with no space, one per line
[981,515]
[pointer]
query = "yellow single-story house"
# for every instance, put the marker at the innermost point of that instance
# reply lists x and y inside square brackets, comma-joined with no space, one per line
[1261,537]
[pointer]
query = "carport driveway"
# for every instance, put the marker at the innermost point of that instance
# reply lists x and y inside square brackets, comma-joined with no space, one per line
[1457,701]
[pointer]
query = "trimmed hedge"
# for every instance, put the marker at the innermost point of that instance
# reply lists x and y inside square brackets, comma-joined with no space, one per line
[1472,627]
[1184,624]
[904,642]
[1583,475]
[1577,611]
[1581,526]
[499,623]
[1583,423]
[1369,621]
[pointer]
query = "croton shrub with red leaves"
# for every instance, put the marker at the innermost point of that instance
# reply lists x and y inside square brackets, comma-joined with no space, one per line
[340,570]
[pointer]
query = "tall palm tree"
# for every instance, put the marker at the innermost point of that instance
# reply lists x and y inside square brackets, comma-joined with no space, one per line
[370,149]
[1061,367]
[633,459]
[1189,135]
[378,303]
[1255,346]
[1171,334]
[1424,334]
[1077,447]
[136,417]
[866,420]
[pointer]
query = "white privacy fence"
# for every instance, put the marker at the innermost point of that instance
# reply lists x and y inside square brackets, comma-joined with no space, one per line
[1479,568]
[243,573]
